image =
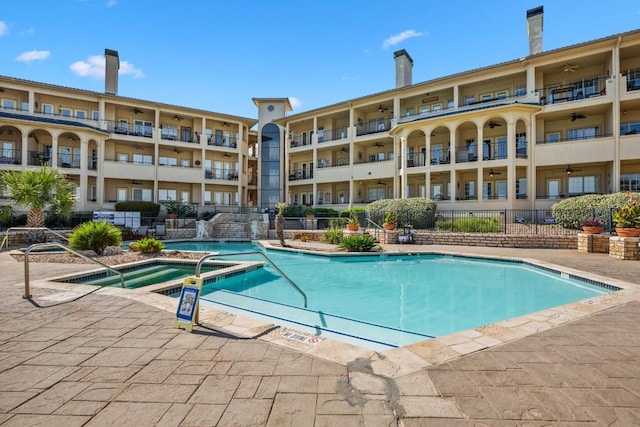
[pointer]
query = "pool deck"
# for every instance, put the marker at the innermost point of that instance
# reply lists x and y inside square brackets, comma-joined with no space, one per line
[113,357]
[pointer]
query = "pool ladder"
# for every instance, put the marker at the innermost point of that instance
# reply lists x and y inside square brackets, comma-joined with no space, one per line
[212,256]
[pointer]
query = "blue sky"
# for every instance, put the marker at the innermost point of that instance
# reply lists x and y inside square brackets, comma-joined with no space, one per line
[217,55]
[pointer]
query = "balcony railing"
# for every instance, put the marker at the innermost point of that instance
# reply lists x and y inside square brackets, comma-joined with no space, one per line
[129,128]
[573,91]
[633,79]
[576,138]
[93,163]
[10,157]
[297,175]
[415,160]
[373,126]
[222,141]
[69,160]
[218,173]
[464,155]
[37,158]
[338,164]
[325,135]
[134,162]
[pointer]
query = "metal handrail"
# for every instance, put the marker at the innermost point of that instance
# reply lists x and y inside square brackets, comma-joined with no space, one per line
[6,234]
[27,293]
[211,256]
[377,227]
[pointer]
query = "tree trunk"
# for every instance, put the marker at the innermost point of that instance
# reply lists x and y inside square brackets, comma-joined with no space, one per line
[35,218]
[280,228]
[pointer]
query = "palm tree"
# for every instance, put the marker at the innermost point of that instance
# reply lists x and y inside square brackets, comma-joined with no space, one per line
[280,223]
[39,190]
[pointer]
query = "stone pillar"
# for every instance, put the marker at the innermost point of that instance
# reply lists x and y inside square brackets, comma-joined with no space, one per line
[593,243]
[625,248]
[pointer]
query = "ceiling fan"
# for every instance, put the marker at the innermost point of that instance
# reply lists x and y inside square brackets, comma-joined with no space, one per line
[576,116]
[175,150]
[134,182]
[493,124]
[381,109]
[382,183]
[378,145]
[492,173]
[177,117]
[225,124]
[569,170]
[137,111]
[137,147]
[568,68]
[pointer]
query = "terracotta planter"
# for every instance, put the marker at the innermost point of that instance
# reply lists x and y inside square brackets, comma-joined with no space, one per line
[628,232]
[172,216]
[389,226]
[591,230]
[311,216]
[353,227]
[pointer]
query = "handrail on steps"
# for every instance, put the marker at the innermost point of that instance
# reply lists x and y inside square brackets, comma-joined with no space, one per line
[377,227]
[27,291]
[211,256]
[6,234]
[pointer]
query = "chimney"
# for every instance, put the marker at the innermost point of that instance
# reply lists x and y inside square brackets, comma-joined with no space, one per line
[534,29]
[404,68]
[112,64]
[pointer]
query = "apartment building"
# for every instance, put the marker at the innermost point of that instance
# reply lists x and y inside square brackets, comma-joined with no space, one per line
[117,148]
[517,135]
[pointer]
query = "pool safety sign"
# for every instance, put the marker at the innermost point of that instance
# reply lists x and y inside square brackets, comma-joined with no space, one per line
[187,313]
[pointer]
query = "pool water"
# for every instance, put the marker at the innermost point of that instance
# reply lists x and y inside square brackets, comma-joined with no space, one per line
[394,300]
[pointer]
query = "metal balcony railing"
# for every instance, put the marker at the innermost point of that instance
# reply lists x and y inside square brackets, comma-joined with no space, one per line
[325,135]
[573,91]
[10,157]
[373,126]
[218,173]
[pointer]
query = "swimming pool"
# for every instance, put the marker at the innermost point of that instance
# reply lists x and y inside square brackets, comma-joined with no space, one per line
[394,300]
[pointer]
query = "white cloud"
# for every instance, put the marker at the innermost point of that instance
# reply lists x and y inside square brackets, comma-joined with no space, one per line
[4,28]
[111,3]
[33,55]
[28,32]
[94,67]
[295,102]
[394,40]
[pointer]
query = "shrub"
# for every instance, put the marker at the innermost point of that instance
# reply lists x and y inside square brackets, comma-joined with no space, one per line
[333,235]
[569,212]
[416,211]
[95,236]
[337,222]
[148,245]
[150,208]
[358,243]
[304,238]
[591,222]
[294,211]
[470,225]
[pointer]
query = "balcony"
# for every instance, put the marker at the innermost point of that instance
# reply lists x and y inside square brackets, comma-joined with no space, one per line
[573,91]
[298,175]
[222,174]
[416,160]
[10,157]
[37,158]
[221,141]
[69,161]
[325,135]
[373,126]
[129,128]
[465,155]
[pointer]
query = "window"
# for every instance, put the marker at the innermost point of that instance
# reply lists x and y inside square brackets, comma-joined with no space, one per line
[553,137]
[632,128]
[424,110]
[502,190]
[164,195]
[141,194]
[470,99]
[521,188]
[142,159]
[521,90]
[169,132]
[9,104]
[25,105]
[81,114]
[630,182]
[142,128]
[583,184]
[320,134]
[582,133]
[207,197]
[186,163]
[7,154]
[185,196]
[486,97]
[553,188]
[123,157]
[501,147]
[65,112]
[167,161]
[470,190]
[436,107]
[95,115]
[450,104]
[376,194]
[47,109]
[410,112]
[502,94]
[93,193]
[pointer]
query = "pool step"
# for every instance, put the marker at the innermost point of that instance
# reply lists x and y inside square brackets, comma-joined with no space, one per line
[133,277]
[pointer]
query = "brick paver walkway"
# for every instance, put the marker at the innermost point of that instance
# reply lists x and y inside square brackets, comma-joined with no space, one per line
[105,360]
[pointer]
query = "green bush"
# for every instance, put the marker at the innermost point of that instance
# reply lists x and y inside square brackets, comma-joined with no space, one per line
[294,211]
[148,245]
[333,235]
[150,208]
[470,225]
[358,243]
[95,236]
[326,212]
[416,211]
[569,212]
[337,222]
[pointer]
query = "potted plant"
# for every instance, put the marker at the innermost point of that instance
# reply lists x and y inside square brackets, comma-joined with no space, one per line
[309,212]
[591,225]
[627,218]
[177,209]
[353,224]
[389,221]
